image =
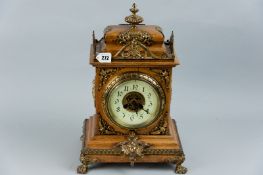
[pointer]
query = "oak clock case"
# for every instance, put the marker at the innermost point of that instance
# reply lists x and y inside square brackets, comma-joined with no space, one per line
[132,97]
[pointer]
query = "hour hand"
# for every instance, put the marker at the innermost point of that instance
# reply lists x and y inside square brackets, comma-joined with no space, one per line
[146,110]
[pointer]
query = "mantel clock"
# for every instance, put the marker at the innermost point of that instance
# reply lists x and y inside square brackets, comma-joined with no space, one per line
[132,94]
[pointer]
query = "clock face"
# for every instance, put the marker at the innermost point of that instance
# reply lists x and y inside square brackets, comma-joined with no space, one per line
[135,101]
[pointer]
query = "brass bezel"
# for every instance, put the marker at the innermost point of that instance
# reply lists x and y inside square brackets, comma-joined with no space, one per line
[132,76]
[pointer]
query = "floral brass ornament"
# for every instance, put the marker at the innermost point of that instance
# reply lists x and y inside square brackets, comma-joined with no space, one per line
[161,128]
[105,75]
[135,42]
[133,148]
[105,129]
[164,74]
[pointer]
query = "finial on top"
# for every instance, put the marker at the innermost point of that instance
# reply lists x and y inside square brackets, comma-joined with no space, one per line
[134,19]
[134,10]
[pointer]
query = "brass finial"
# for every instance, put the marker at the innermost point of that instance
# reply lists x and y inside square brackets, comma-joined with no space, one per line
[134,10]
[134,19]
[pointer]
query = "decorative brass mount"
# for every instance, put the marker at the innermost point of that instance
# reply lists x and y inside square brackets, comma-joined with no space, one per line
[135,41]
[133,148]
[134,19]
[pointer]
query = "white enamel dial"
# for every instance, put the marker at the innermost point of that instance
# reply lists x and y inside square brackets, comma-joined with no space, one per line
[134,103]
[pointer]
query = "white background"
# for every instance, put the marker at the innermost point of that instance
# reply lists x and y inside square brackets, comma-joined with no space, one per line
[45,82]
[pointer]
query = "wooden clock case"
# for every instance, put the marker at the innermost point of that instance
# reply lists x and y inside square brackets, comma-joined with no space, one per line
[105,141]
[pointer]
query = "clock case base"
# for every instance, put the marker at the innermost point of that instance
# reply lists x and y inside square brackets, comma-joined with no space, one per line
[104,148]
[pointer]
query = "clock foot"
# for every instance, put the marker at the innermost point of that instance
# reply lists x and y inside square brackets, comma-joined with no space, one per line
[180,169]
[82,169]
[178,160]
[86,160]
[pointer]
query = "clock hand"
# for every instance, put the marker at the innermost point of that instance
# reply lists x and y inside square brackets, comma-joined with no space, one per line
[147,110]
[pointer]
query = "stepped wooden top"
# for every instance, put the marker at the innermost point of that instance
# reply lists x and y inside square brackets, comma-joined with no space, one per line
[134,43]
